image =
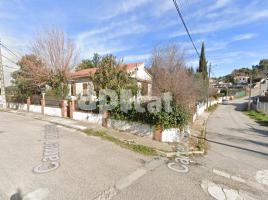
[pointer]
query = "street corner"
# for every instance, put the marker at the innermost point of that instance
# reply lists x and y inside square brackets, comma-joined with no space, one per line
[262,177]
[223,192]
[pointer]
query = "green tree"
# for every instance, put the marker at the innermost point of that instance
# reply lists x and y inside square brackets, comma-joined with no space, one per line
[30,77]
[203,63]
[95,61]
[112,76]
[85,64]
[263,65]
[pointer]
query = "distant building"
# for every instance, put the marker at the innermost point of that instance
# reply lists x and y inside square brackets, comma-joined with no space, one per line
[241,79]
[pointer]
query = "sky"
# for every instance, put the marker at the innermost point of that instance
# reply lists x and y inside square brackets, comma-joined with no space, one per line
[234,31]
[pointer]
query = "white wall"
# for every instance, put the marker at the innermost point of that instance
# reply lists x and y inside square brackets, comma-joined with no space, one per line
[89,117]
[142,74]
[79,88]
[17,106]
[171,135]
[35,108]
[132,127]
[52,111]
[201,107]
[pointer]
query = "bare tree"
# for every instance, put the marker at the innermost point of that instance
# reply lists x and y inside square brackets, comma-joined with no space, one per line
[57,53]
[170,74]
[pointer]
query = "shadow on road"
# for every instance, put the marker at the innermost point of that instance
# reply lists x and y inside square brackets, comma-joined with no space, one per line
[16,196]
[243,107]
[240,106]
[237,147]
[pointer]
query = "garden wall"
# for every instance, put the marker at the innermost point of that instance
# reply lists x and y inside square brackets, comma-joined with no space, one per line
[132,127]
[89,117]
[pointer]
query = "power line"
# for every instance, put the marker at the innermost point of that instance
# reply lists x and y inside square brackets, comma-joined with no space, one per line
[10,67]
[9,60]
[12,52]
[184,24]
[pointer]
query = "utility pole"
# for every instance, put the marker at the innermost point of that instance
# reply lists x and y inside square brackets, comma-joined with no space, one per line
[249,96]
[208,84]
[2,82]
[227,90]
[260,92]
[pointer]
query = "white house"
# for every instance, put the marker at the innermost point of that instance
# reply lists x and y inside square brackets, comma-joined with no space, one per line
[80,82]
[241,79]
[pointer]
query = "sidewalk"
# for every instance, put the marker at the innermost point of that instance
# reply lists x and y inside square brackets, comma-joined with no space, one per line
[80,125]
[161,147]
[199,122]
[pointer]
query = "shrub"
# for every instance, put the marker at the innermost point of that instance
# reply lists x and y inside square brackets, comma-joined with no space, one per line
[178,118]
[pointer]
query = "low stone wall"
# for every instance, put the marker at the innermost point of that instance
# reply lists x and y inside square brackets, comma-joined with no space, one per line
[201,107]
[35,108]
[17,106]
[132,127]
[171,135]
[89,117]
[52,111]
[168,135]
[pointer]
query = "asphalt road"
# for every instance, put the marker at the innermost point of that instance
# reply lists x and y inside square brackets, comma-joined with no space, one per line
[90,167]
[234,136]
[238,145]
[238,149]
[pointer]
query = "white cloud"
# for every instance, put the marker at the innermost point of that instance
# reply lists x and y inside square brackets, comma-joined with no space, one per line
[136,58]
[246,36]
[124,6]
[219,4]
[225,21]
[161,8]
[230,15]
[108,38]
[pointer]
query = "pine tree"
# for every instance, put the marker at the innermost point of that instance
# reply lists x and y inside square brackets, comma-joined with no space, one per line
[203,63]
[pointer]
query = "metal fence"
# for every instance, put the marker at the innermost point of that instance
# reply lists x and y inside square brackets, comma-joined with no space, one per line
[53,102]
[262,107]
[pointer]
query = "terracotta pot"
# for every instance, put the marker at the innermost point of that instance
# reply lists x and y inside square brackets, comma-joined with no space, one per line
[158,133]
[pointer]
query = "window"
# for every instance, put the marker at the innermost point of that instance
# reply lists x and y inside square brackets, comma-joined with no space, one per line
[144,89]
[73,89]
[85,89]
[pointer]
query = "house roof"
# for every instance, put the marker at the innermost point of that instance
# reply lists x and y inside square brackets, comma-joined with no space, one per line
[83,73]
[91,71]
[130,66]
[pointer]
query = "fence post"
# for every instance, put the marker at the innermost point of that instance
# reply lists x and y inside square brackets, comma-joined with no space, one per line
[105,116]
[28,104]
[71,107]
[43,103]
[63,108]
